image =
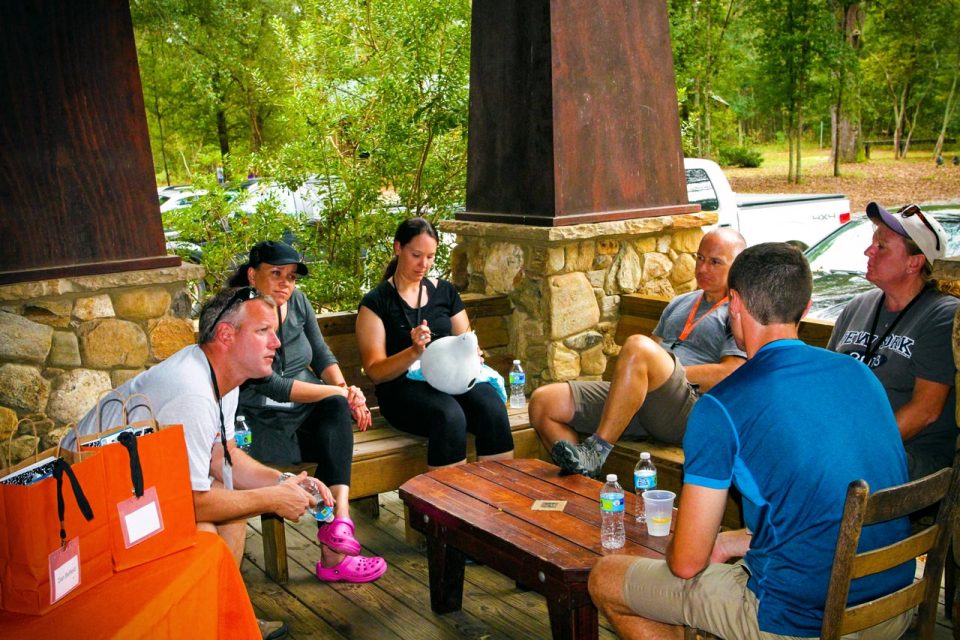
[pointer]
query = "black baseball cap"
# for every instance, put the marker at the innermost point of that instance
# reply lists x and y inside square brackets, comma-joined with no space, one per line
[276,253]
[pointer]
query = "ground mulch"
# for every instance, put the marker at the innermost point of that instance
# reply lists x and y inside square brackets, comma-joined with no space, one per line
[884,180]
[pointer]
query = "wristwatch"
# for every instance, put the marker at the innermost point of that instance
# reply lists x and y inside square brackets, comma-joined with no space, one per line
[286,475]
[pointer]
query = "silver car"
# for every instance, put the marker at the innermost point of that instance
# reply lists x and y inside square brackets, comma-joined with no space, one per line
[839,265]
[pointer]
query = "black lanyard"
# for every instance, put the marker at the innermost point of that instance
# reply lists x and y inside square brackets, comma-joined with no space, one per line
[419,302]
[223,428]
[874,346]
[283,360]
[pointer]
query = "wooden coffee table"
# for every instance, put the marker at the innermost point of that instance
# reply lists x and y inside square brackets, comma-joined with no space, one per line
[484,510]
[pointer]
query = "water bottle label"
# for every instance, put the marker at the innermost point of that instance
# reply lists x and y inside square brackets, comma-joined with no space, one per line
[644,481]
[243,438]
[323,513]
[611,502]
[518,378]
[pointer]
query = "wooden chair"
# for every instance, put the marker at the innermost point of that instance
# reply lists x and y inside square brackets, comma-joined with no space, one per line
[861,509]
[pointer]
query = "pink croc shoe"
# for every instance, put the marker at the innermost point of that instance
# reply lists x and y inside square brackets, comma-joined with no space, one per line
[338,536]
[354,569]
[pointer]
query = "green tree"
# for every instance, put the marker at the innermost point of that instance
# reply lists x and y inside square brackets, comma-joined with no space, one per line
[902,59]
[794,40]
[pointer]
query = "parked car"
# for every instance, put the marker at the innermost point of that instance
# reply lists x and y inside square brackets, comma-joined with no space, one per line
[165,193]
[800,219]
[839,264]
[309,200]
[180,199]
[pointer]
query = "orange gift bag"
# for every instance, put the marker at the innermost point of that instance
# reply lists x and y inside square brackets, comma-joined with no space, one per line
[148,493]
[54,534]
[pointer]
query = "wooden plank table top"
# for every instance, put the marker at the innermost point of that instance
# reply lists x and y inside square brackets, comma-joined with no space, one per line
[483,510]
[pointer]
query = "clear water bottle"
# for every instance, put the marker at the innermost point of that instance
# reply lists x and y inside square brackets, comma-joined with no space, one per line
[644,479]
[518,379]
[242,434]
[612,535]
[322,513]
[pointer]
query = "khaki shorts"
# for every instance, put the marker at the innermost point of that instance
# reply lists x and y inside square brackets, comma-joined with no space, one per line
[663,416]
[717,600]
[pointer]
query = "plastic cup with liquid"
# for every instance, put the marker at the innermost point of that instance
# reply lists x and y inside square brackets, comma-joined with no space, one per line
[658,505]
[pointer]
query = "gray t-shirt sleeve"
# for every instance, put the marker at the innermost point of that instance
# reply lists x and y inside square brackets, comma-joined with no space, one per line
[322,355]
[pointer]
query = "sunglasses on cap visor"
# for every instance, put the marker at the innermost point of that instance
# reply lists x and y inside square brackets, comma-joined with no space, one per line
[242,294]
[914,210]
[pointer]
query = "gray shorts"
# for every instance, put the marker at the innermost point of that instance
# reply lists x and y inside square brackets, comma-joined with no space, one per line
[663,416]
[717,600]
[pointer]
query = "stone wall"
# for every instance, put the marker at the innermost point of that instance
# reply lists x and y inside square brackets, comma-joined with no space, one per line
[565,283]
[65,341]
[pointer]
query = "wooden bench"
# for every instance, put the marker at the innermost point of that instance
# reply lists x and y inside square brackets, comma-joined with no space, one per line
[383,457]
[640,314]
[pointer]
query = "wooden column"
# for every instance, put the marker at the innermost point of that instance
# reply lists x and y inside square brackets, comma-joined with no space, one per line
[573,113]
[77,188]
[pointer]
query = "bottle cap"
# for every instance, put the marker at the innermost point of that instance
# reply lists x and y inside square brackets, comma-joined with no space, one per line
[516,362]
[645,455]
[611,477]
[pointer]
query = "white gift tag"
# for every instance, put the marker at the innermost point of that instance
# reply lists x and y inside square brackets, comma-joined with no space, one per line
[140,518]
[64,570]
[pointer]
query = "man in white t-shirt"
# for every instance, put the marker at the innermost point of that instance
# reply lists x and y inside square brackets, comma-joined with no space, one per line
[198,388]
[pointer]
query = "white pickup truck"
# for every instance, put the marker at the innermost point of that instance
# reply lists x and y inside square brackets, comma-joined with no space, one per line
[801,219]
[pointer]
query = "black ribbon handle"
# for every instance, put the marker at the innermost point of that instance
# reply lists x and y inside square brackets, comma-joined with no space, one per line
[61,466]
[129,442]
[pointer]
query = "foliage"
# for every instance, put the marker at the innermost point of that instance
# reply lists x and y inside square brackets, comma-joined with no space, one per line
[370,97]
[740,157]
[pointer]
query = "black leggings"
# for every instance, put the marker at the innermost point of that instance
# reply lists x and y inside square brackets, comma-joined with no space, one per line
[326,437]
[416,407]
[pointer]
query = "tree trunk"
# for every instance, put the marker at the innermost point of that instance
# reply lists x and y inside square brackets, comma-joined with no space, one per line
[899,115]
[847,124]
[913,124]
[222,137]
[163,144]
[947,111]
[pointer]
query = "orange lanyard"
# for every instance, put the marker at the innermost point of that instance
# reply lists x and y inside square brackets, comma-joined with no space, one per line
[691,323]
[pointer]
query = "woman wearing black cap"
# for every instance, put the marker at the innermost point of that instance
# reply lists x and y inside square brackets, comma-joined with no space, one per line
[305,410]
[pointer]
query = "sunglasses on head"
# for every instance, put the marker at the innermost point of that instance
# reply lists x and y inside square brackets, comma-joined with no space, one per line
[242,294]
[914,210]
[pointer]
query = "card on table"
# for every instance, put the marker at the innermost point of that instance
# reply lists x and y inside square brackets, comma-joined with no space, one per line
[549,505]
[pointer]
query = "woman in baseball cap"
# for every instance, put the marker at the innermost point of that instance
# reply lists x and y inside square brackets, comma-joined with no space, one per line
[305,409]
[926,234]
[902,330]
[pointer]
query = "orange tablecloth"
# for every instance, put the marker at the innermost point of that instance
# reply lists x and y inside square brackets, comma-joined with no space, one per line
[194,593]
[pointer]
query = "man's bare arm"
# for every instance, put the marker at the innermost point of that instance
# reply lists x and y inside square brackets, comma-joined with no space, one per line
[708,375]
[698,521]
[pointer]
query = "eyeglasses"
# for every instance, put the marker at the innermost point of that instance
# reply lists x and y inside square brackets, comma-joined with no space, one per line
[242,294]
[914,210]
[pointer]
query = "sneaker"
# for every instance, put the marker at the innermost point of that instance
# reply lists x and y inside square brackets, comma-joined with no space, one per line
[586,458]
[272,629]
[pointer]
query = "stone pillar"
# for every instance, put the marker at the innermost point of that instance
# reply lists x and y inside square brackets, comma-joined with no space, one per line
[65,341]
[565,283]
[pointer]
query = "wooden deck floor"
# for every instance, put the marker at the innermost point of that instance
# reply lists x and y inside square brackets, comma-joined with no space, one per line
[397,606]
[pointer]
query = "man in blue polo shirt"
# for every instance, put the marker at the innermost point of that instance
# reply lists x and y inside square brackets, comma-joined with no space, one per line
[787,429]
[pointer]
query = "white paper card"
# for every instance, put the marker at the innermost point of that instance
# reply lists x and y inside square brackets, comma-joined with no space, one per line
[140,518]
[64,570]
